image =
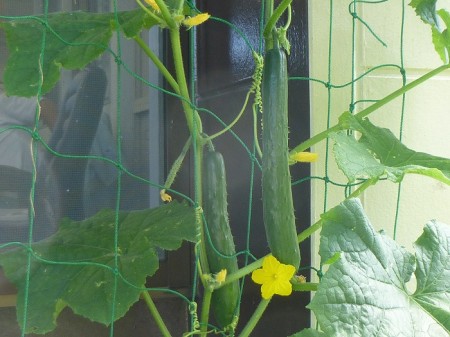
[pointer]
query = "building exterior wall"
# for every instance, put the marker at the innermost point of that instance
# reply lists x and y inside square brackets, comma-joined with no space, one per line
[426,115]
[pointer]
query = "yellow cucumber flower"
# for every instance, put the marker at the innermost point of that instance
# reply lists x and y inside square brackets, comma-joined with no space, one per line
[196,20]
[221,276]
[303,157]
[274,277]
[153,4]
[164,196]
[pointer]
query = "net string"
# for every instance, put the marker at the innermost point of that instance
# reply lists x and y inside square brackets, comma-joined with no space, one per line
[34,159]
[250,150]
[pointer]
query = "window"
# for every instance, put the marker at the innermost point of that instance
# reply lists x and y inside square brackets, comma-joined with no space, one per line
[151,141]
[80,117]
[77,125]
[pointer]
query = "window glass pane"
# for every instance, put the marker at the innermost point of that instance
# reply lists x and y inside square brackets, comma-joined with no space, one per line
[95,141]
[79,128]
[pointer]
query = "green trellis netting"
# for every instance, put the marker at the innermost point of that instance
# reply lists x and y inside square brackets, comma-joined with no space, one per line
[98,265]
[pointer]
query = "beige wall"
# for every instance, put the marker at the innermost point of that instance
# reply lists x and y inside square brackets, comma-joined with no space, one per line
[427,112]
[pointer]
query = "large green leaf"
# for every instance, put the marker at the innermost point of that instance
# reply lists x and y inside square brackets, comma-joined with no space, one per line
[426,10]
[64,40]
[379,153]
[365,294]
[309,333]
[78,267]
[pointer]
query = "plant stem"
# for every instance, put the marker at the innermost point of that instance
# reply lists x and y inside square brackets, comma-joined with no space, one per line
[369,182]
[204,318]
[364,113]
[229,126]
[307,286]
[289,18]
[157,62]
[166,14]
[155,313]
[402,90]
[195,127]
[309,231]
[181,76]
[315,139]
[149,12]
[182,83]
[272,21]
[255,318]
[318,225]
[244,271]
[255,132]
[198,192]
[268,11]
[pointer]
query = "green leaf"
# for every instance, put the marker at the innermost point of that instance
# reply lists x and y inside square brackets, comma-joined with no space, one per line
[378,153]
[309,333]
[64,40]
[426,10]
[175,5]
[132,22]
[441,39]
[354,159]
[365,294]
[433,272]
[76,267]
[439,43]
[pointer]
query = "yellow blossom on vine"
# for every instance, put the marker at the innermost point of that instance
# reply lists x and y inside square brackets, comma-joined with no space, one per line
[164,196]
[304,157]
[221,276]
[196,20]
[274,277]
[153,4]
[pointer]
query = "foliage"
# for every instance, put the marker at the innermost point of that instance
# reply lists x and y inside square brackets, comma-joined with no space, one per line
[77,267]
[366,294]
[71,41]
[98,267]
[309,333]
[378,153]
[426,10]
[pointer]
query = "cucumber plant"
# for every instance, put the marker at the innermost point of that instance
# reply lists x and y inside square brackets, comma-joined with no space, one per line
[350,246]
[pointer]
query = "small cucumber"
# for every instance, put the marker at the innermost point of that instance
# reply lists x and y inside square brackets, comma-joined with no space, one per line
[224,300]
[278,209]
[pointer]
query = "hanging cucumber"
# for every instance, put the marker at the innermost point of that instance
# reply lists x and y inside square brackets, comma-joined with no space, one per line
[224,300]
[278,210]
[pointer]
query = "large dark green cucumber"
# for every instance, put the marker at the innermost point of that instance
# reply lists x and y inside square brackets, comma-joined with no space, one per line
[278,209]
[224,300]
